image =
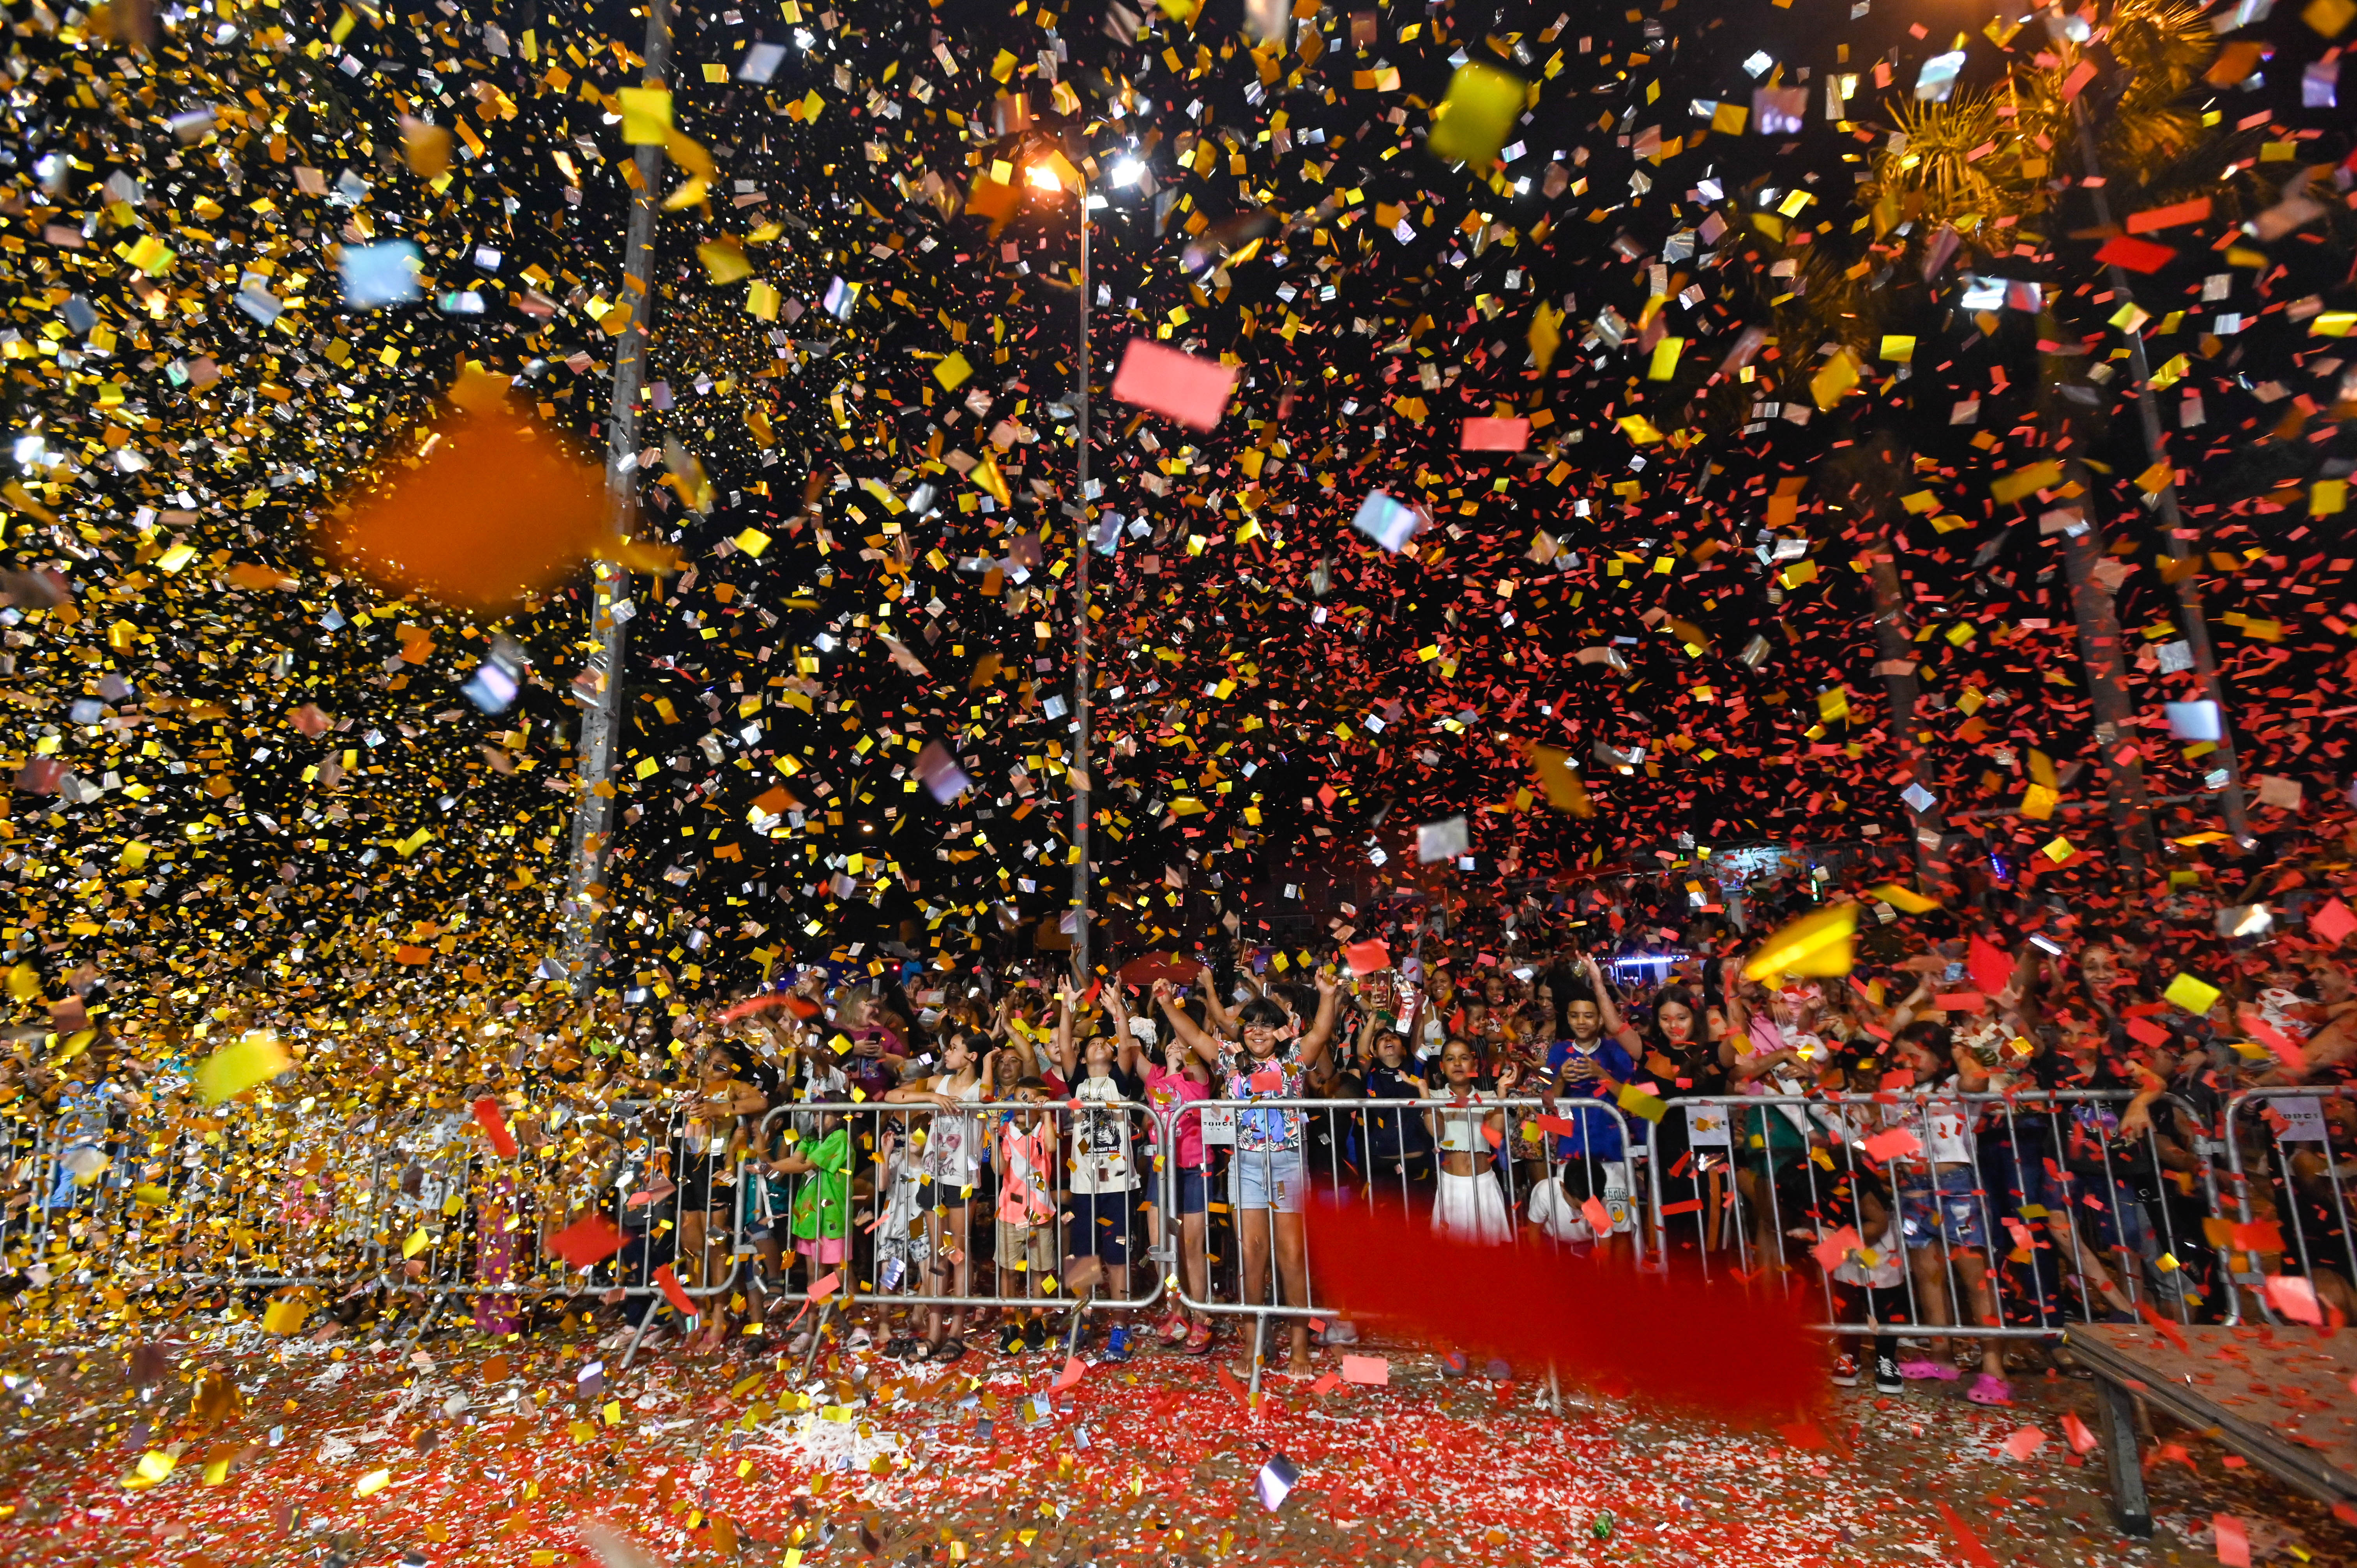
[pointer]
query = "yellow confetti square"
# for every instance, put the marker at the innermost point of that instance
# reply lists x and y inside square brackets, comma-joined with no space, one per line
[2194,995]
[646,116]
[1470,124]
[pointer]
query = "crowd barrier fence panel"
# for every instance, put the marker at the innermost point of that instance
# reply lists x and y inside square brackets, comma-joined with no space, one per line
[255,1201]
[2312,1205]
[23,1180]
[664,1179]
[2031,1169]
[1389,1151]
[918,1171]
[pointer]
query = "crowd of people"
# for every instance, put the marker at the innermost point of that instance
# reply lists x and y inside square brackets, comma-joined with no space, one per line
[2002,1118]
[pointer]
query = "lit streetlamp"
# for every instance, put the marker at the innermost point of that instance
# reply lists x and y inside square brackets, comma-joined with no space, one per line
[1052,172]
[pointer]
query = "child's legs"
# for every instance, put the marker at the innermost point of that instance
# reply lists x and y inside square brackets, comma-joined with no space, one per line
[1193,1264]
[1972,1267]
[1252,1236]
[949,1272]
[2078,1258]
[1293,1270]
[1927,1263]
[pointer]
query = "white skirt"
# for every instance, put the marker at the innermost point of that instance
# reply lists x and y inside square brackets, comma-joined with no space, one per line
[1471,1208]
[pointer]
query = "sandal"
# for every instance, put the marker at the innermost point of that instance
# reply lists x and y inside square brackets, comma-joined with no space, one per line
[1199,1339]
[948,1350]
[1990,1389]
[899,1346]
[1011,1339]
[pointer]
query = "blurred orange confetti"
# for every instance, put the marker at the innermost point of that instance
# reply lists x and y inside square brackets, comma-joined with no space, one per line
[495,508]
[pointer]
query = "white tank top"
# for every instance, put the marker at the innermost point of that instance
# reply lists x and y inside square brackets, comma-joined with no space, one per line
[954,1139]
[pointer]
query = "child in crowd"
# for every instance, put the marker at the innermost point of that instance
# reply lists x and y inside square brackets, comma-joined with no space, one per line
[948,1168]
[1471,1207]
[822,1211]
[1267,1182]
[1177,1082]
[1101,1206]
[1026,1251]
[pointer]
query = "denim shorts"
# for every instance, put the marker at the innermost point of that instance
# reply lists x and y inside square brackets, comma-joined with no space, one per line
[1268,1179]
[1961,1218]
[1192,1194]
[1097,1225]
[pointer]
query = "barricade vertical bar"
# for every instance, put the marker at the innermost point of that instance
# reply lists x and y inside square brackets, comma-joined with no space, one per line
[2227,1274]
[2169,1283]
[2015,1198]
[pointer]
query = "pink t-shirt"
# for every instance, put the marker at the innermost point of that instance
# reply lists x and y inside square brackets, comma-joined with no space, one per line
[1166,1091]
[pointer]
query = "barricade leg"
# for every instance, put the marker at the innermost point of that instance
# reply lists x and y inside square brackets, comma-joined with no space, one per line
[817,1336]
[637,1334]
[2130,1505]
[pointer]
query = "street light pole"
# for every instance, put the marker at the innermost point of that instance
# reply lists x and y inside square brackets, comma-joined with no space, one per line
[2193,614]
[1080,769]
[582,912]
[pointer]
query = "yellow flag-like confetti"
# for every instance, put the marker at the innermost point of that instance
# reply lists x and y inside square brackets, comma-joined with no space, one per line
[1470,124]
[1818,944]
[1899,895]
[235,1068]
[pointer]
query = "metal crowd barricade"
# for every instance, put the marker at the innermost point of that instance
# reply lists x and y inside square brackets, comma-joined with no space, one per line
[916,1172]
[266,1197]
[27,1156]
[936,1196]
[269,1197]
[257,1200]
[462,1224]
[1390,1152]
[2038,1171]
[2307,1195]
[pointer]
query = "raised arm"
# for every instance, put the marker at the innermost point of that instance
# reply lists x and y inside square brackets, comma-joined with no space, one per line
[1738,1019]
[1066,1052]
[1127,1052]
[1183,1028]
[1615,1025]
[1215,1011]
[1321,1030]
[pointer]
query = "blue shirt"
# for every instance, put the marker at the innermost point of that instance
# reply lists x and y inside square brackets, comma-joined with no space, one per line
[1597,1136]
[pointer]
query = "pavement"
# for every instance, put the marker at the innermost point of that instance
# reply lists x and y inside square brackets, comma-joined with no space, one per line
[215,1444]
